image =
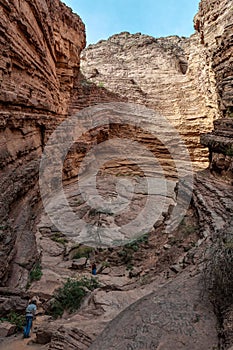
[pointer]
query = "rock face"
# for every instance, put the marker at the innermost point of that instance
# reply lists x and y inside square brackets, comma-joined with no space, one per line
[41,82]
[6,329]
[220,143]
[171,317]
[187,80]
[40,47]
[153,322]
[40,44]
[62,337]
[214,22]
[169,75]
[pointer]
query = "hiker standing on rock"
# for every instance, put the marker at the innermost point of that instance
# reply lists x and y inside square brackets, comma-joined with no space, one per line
[93,269]
[30,314]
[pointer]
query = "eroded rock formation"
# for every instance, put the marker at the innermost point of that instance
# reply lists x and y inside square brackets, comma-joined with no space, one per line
[169,75]
[40,46]
[187,80]
[214,22]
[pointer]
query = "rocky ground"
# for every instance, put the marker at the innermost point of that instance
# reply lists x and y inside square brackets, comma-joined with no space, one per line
[155,285]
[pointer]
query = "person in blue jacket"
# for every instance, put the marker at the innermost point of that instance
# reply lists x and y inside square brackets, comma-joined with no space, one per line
[93,269]
[30,314]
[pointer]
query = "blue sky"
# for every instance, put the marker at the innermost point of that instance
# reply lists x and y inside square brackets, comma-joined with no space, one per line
[104,18]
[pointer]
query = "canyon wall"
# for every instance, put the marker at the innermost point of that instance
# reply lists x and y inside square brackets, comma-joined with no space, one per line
[169,75]
[186,80]
[40,44]
[214,22]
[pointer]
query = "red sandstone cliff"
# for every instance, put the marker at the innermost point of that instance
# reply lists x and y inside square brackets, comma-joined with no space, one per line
[169,75]
[41,42]
[214,22]
[41,83]
[40,46]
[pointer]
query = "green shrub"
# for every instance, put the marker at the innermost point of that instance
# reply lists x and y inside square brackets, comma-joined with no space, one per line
[16,319]
[105,264]
[187,229]
[59,238]
[126,254]
[56,309]
[83,252]
[218,276]
[70,296]
[229,112]
[229,152]
[36,273]
[129,267]
[89,283]
[134,244]
[99,211]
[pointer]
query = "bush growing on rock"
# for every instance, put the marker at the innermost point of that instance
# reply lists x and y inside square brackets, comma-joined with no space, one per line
[16,319]
[83,252]
[58,237]
[218,276]
[126,254]
[36,273]
[70,296]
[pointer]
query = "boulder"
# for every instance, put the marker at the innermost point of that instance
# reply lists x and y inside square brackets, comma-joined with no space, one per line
[12,302]
[176,268]
[135,273]
[167,246]
[44,335]
[106,271]
[79,264]
[7,329]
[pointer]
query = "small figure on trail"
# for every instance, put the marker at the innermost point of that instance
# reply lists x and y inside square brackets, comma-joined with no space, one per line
[93,269]
[30,315]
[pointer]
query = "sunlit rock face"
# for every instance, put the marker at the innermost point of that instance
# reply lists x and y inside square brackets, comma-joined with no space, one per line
[169,75]
[40,46]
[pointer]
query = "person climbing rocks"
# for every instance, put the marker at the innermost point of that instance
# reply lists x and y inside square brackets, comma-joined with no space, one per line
[30,315]
[93,269]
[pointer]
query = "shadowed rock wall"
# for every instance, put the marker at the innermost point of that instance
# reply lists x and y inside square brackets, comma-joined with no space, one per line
[40,46]
[214,22]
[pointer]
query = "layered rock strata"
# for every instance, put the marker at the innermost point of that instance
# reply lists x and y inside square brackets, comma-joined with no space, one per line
[169,75]
[40,48]
[220,144]
[37,85]
[41,44]
[214,22]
